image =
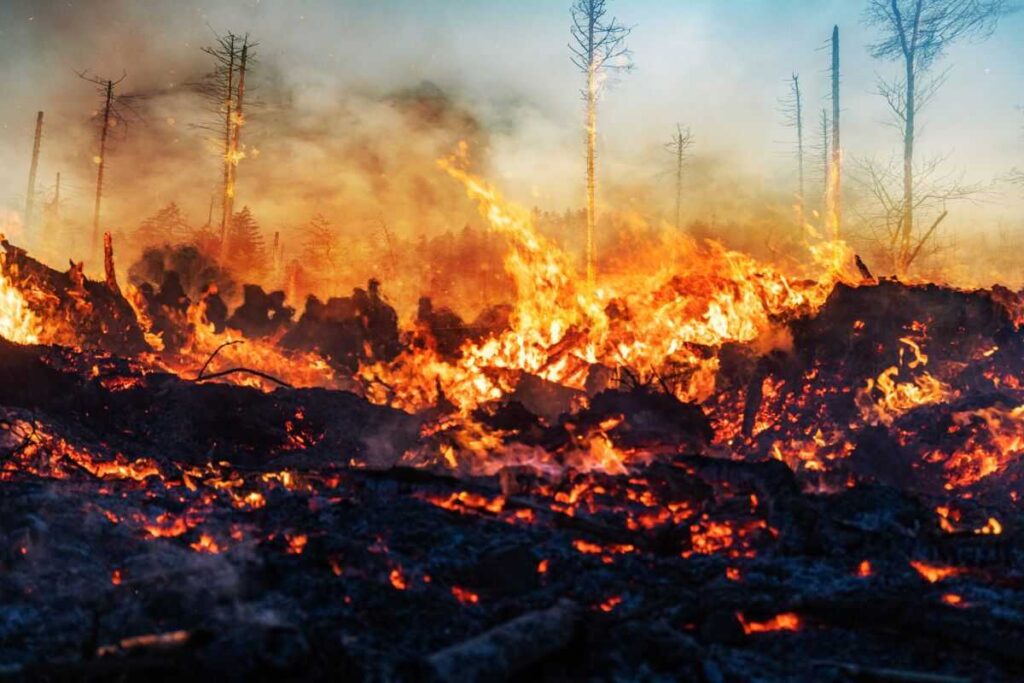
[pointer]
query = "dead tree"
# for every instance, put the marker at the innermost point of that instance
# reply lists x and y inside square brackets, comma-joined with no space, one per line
[835,177]
[597,48]
[114,112]
[679,146]
[791,107]
[235,153]
[918,33]
[224,90]
[825,150]
[30,194]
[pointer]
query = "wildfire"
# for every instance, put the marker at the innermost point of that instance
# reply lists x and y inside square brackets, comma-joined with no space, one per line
[692,296]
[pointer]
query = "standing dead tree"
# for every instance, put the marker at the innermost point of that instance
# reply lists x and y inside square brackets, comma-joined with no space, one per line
[791,107]
[918,33]
[112,113]
[597,47]
[679,147]
[30,194]
[224,90]
[834,195]
[825,150]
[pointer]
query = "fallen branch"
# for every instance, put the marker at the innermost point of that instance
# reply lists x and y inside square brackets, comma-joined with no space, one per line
[885,674]
[250,371]
[503,651]
[213,355]
[203,377]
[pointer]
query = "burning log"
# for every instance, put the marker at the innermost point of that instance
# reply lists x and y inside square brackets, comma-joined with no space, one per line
[505,650]
[108,264]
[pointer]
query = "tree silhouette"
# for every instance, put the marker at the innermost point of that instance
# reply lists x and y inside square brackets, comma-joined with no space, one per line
[918,33]
[598,47]
[166,226]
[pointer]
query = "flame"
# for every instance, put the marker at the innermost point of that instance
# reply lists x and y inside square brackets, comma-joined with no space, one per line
[896,398]
[693,297]
[17,323]
[995,440]
[465,596]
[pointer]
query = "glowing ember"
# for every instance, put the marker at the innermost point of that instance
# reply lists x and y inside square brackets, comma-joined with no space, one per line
[205,544]
[934,573]
[787,621]
[296,543]
[397,579]
[465,596]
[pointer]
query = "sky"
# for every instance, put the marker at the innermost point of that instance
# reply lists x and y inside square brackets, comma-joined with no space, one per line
[326,66]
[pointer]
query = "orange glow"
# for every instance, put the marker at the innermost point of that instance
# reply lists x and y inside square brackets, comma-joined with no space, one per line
[115,577]
[933,573]
[954,600]
[296,543]
[206,544]
[17,323]
[787,621]
[864,569]
[397,579]
[542,567]
[465,596]
[610,604]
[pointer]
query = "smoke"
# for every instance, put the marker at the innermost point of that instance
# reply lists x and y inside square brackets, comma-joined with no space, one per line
[349,105]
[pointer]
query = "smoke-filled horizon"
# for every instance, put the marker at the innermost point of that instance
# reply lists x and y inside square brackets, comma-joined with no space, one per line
[351,103]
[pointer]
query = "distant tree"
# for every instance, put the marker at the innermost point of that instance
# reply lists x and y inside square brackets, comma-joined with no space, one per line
[824,150]
[224,91]
[166,226]
[320,246]
[792,110]
[246,250]
[834,191]
[679,147]
[113,112]
[918,33]
[598,46]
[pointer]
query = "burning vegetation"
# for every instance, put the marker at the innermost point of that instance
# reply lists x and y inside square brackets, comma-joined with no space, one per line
[673,460]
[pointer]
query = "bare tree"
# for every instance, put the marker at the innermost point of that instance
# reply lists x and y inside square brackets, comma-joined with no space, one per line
[834,192]
[113,113]
[30,194]
[918,33]
[224,90]
[824,149]
[882,215]
[597,47]
[792,110]
[679,146]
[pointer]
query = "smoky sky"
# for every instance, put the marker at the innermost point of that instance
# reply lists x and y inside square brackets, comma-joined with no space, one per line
[331,130]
